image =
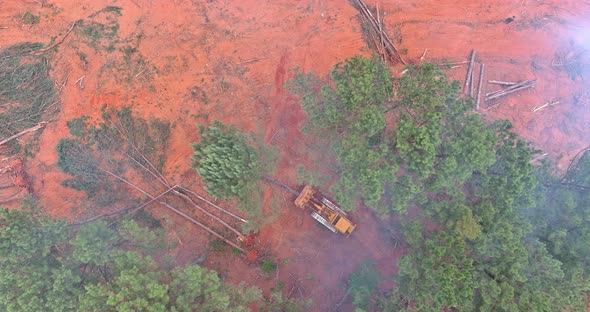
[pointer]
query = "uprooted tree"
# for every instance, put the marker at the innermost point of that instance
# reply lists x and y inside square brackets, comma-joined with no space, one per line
[27,90]
[126,150]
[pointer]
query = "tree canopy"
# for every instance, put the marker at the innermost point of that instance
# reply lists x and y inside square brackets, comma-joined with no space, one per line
[491,232]
[47,265]
[231,164]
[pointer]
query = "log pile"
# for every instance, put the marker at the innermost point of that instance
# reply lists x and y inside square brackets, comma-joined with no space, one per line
[375,30]
[525,84]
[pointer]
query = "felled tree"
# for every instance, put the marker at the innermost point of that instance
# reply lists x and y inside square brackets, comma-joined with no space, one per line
[117,143]
[231,164]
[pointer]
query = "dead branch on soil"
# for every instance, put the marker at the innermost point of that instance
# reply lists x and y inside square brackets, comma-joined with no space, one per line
[10,198]
[479,86]
[386,47]
[454,64]
[35,128]
[80,82]
[297,286]
[542,107]
[539,157]
[511,89]
[573,164]
[252,60]
[58,42]
[423,55]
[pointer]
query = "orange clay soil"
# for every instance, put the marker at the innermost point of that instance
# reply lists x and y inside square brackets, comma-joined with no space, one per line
[198,61]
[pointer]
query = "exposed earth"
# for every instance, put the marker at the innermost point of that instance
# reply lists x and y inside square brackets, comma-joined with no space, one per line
[199,61]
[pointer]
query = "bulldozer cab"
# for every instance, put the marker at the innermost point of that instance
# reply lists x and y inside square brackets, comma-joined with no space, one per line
[324,211]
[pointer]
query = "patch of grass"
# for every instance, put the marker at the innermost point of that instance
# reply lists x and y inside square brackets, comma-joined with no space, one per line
[268,266]
[236,251]
[218,245]
[199,94]
[97,31]
[109,9]
[30,18]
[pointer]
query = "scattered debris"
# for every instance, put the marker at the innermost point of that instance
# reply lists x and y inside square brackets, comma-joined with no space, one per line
[80,82]
[375,29]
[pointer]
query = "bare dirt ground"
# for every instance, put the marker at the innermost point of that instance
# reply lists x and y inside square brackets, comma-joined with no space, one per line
[198,61]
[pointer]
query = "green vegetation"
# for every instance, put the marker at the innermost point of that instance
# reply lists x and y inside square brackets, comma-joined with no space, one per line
[27,91]
[277,302]
[231,164]
[268,266]
[30,18]
[503,235]
[362,283]
[349,113]
[47,266]
[102,34]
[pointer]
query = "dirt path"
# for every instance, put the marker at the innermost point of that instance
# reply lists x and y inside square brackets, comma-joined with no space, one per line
[196,61]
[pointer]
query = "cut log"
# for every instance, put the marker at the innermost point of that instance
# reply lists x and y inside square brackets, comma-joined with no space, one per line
[509,90]
[469,71]
[479,86]
[502,83]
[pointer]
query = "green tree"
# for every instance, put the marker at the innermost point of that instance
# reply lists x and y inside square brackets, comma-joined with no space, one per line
[35,272]
[231,164]
[47,266]
[349,112]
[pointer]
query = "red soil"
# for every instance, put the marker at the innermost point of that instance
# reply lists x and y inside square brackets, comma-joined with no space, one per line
[240,53]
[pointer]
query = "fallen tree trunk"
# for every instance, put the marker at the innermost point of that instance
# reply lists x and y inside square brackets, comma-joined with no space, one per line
[479,86]
[35,128]
[469,71]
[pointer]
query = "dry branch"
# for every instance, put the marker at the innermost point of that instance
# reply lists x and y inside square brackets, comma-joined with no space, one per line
[423,54]
[35,128]
[60,41]
[10,198]
[548,104]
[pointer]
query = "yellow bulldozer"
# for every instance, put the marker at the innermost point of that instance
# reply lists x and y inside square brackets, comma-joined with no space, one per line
[324,211]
